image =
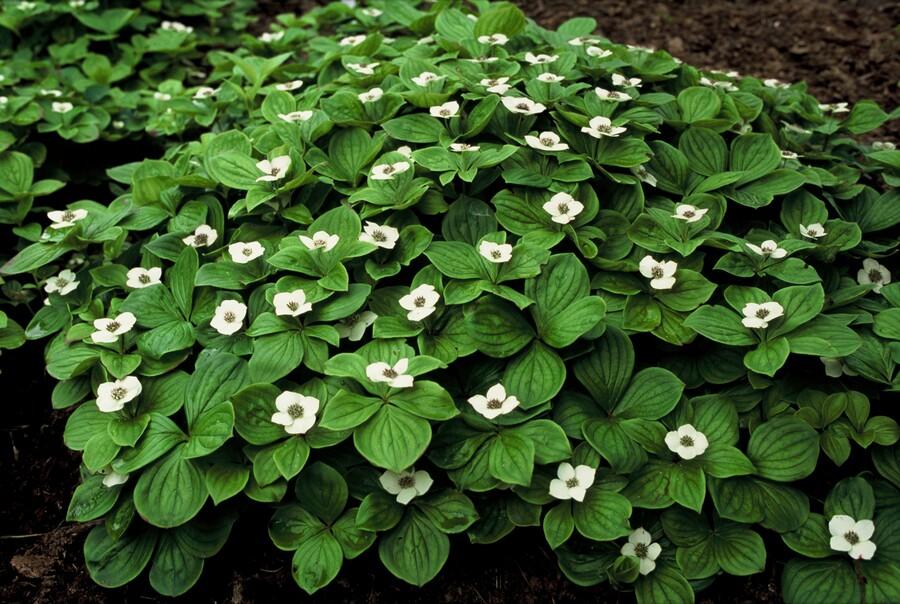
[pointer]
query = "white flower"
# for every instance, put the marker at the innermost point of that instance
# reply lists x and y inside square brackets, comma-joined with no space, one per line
[572,482]
[204,92]
[601,126]
[118,124]
[111,478]
[371,12]
[64,283]
[406,485]
[320,241]
[640,545]
[162,96]
[275,169]
[689,213]
[813,231]
[25,6]
[51,92]
[289,86]
[370,96]
[63,107]
[295,116]
[445,111]
[387,171]
[65,218]
[835,367]
[582,41]
[229,317]
[773,83]
[493,39]
[620,80]
[686,441]
[420,302]
[883,146]
[599,53]
[296,412]
[495,252]
[204,235]
[611,95]
[496,85]
[354,327]
[271,36]
[644,175]
[758,316]
[143,277]
[768,248]
[112,396]
[242,253]
[785,154]
[563,208]
[425,78]
[873,273]
[425,40]
[291,304]
[495,403]
[395,376]
[550,78]
[540,59]
[520,104]
[851,536]
[405,151]
[463,148]
[352,40]
[381,235]
[4,100]
[546,141]
[176,26]
[363,68]
[723,84]
[109,330]
[661,274]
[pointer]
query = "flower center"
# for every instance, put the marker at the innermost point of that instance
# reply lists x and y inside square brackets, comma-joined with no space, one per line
[406,482]
[247,251]
[762,313]
[494,404]
[445,113]
[379,236]
[851,537]
[419,302]
[144,278]
[113,326]
[563,208]
[61,282]
[320,243]
[572,483]
[874,276]
[686,441]
[274,171]
[68,216]
[229,317]
[522,106]
[688,213]
[613,94]
[118,393]
[292,305]
[602,128]
[640,550]
[813,232]
[547,142]
[388,169]
[201,238]
[295,411]
[496,255]
[657,272]
[389,373]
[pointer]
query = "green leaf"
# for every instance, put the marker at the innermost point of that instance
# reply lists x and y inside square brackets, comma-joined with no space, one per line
[653,393]
[755,155]
[497,327]
[323,491]
[114,562]
[768,357]
[603,515]
[415,551]
[784,449]
[558,524]
[720,325]
[512,458]
[275,356]
[417,128]
[663,585]
[705,150]
[317,562]
[91,500]
[171,492]
[698,103]
[501,17]
[815,581]
[535,376]
[393,439]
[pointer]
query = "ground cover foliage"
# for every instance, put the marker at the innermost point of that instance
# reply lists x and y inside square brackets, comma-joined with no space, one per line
[412,273]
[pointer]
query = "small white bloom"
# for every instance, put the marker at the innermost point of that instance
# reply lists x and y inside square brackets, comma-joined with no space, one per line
[425,40]
[758,316]
[51,92]
[388,171]
[463,148]
[420,302]
[611,95]
[4,100]
[563,208]
[768,248]
[406,485]
[545,141]
[275,169]
[352,40]
[620,80]
[320,241]
[520,104]
[26,6]
[550,78]
[271,36]
[644,175]
[138,277]
[493,39]
[572,482]
[445,111]
[289,86]
[354,327]
[162,96]
[111,478]
[371,96]
[176,26]
[295,116]
[405,151]
[883,146]
[296,412]
[118,124]
[363,68]
[425,78]
[582,41]
[773,83]
[813,231]
[495,403]
[64,283]
[291,304]
[689,213]
[63,107]
[395,377]
[687,442]
[496,85]
[495,252]
[640,545]
[661,274]
[229,317]
[785,154]
[873,273]
[112,396]
[204,235]
[381,235]
[723,84]
[851,536]
[371,12]
[204,92]
[842,107]
[109,330]
[65,218]
[835,367]
[601,126]
[540,59]
[242,253]
[598,53]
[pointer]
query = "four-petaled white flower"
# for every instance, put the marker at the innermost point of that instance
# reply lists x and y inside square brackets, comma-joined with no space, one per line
[611,95]
[388,171]
[111,478]
[598,53]
[425,78]
[204,235]
[550,78]
[563,208]
[354,327]
[267,37]
[420,302]
[381,235]
[852,536]
[758,316]
[295,116]
[619,80]
[445,111]
[395,377]
[275,169]
[641,546]
[61,107]
[363,68]
[572,482]
[109,330]
[112,396]
[497,402]
[320,240]
[352,40]
[768,248]
[295,411]
[289,86]
[66,218]
[774,83]
[601,126]
[242,253]
[406,485]
[689,213]
[493,39]
[64,283]
[540,59]
[687,442]
[520,104]
[204,92]
[582,41]
[139,277]
[229,317]
[873,273]
[495,252]
[176,26]
[546,141]
[842,107]
[813,231]
[463,148]
[496,85]
[371,96]
[291,304]
[661,274]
